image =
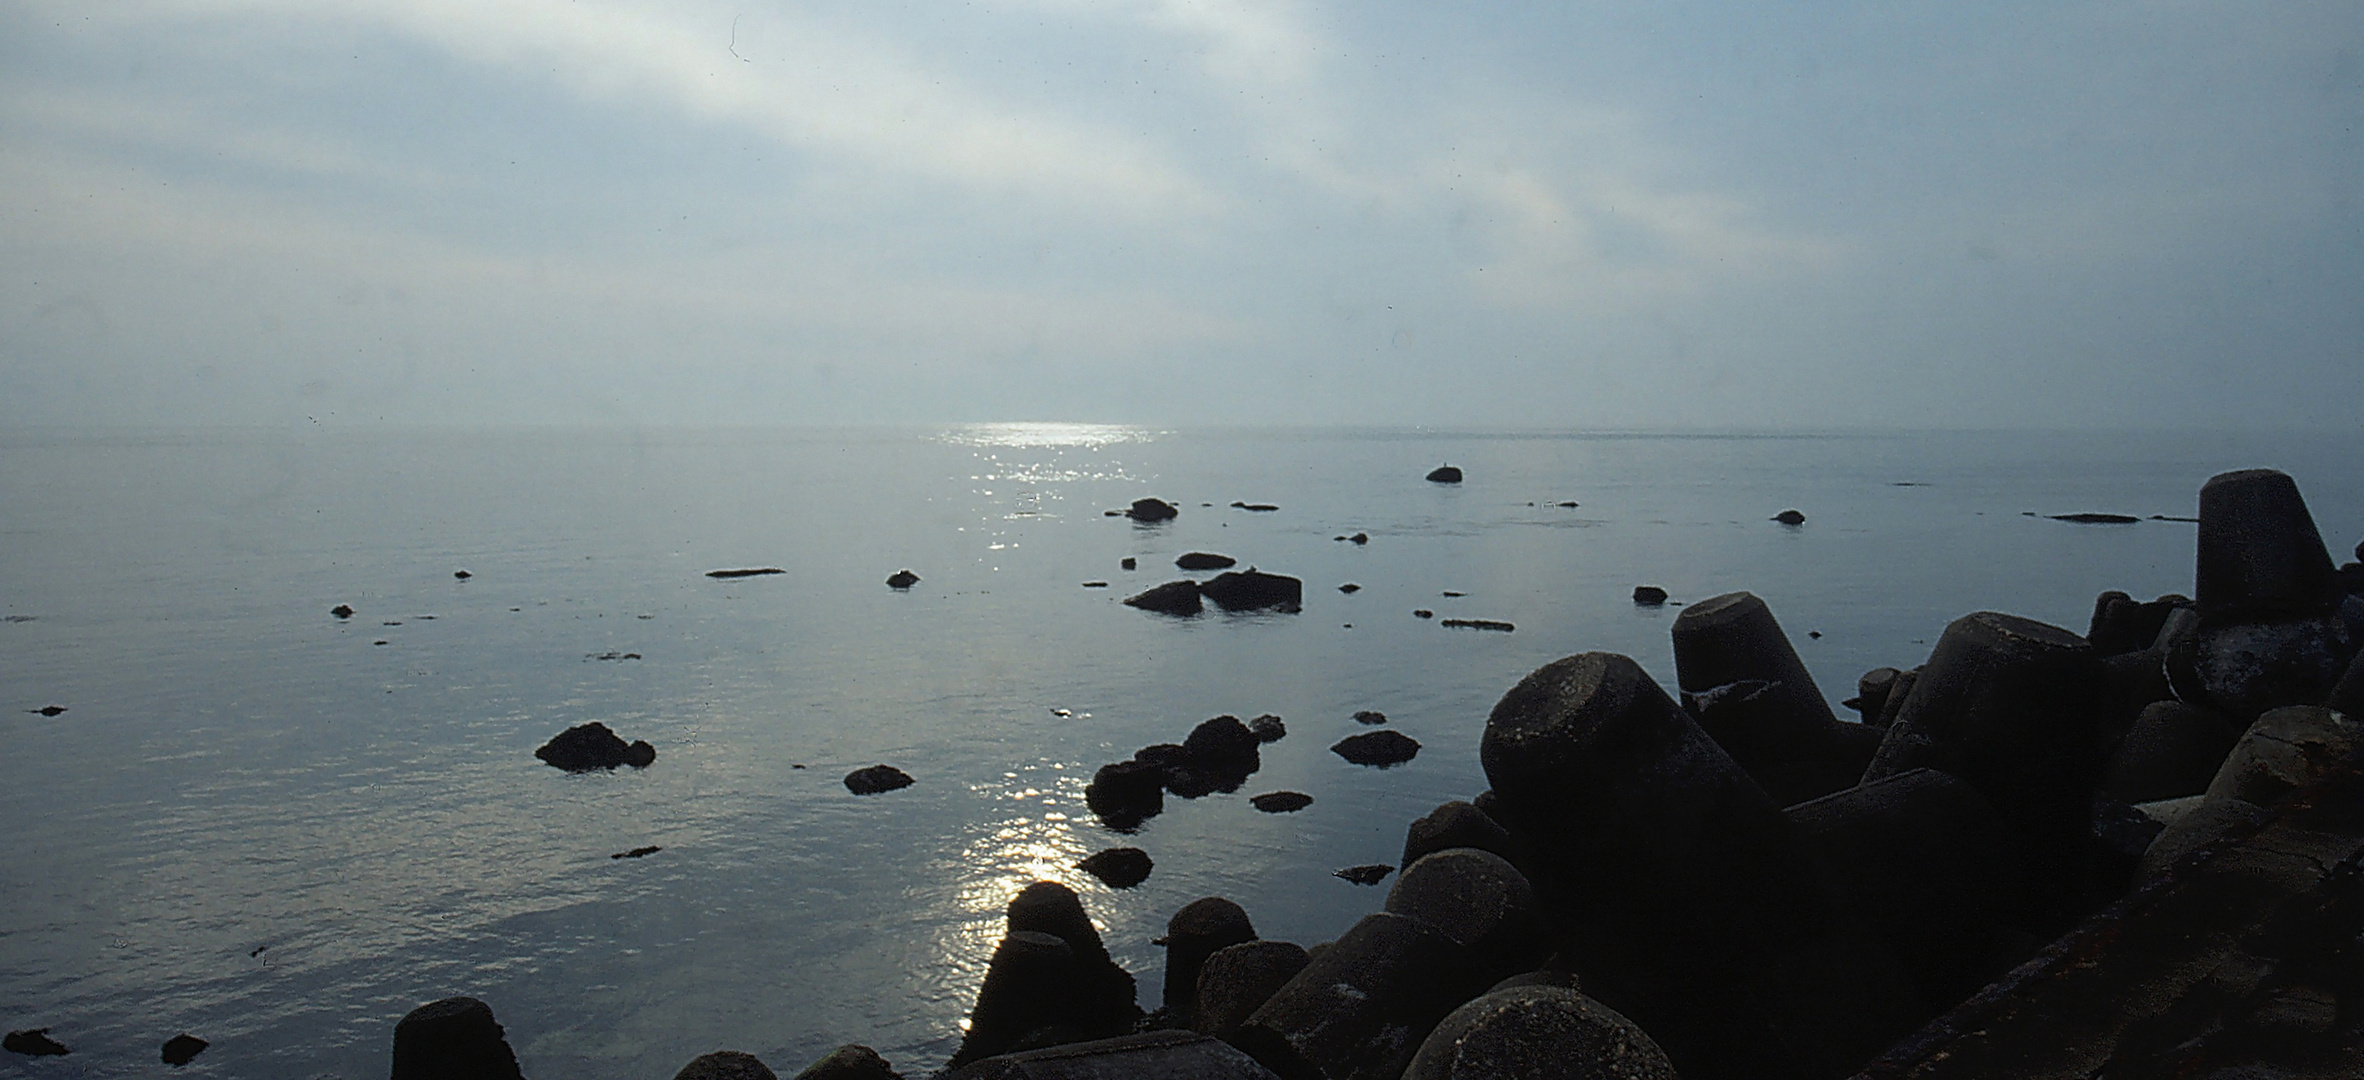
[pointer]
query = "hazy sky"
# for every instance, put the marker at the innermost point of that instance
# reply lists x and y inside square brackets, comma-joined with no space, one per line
[1569,214]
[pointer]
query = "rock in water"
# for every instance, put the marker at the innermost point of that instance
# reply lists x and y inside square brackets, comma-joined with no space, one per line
[2097,519]
[1648,595]
[1790,517]
[1268,728]
[462,575]
[903,579]
[1380,748]
[33,1043]
[726,1065]
[853,1061]
[1479,624]
[760,571]
[1205,560]
[183,1048]
[342,611]
[1371,874]
[592,746]
[1444,474]
[1171,598]
[50,710]
[1370,716]
[1254,590]
[1281,802]
[1152,510]
[1124,794]
[876,779]
[452,1039]
[1119,868]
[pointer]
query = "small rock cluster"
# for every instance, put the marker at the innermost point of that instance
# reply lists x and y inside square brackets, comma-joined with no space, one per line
[1218,755]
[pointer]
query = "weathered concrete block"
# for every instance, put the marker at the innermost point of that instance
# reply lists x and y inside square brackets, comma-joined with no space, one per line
[853,1061]
[1029,985]
[1478,899]
[1537,1032]
[1457,824]
[2245,668]
[2260,555]
[1238,979]
[2173,750]
[1360,1008]
[735,1065]
[1150,1055]
[1192,935]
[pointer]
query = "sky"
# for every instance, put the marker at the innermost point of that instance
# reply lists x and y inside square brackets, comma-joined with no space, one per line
[1186,212]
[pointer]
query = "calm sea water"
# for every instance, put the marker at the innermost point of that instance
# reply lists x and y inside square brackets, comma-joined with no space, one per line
[280,831]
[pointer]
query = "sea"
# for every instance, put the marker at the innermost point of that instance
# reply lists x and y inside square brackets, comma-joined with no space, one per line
[279,830]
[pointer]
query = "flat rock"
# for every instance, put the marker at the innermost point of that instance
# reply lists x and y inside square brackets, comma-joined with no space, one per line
[1261,508]
[1371,874]
[1281,802]
[1119,868]
[876,779]
[1380,748]
[1254,590]
[592,746]
[48,710]
[2096,519]
[760,571]
[33,1043]
[1171,598]
[1205,560]
[1478,624]
[637,853]
[1350,588]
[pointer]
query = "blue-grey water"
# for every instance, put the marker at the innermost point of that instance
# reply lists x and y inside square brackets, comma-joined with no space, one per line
[280,831]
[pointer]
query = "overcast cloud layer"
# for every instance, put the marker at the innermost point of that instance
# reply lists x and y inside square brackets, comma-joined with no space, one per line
[1563,215]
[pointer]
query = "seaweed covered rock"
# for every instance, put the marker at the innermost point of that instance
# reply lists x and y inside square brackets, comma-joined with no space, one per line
[592,746]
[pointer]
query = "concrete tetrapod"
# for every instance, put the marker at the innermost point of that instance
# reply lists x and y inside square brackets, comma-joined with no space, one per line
[1238,979]
[726,1065]
[1678,891]
[1457,825]
[1148,1055]
[1538,1033]
[1028,988]
[1192,935]
[1478,899]
[1104,994]
[2285,750]
[1362,1005]
[2259,553]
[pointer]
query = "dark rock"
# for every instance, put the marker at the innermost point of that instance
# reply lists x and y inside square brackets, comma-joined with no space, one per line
[853,1061]
[1268,728]
[183,1048]
[1444,474]
[2096,519]
[2348,695]
[1103,1000]
[726,1065]
[1119,868]
[1677,887]
[1371,874]
[33,1043]
[2260,555]
[1930,868]
[1538,1031]
[1423,613]
[1281,802]
[1129,562]
[1147,1055]
[1030,983]
[637,853]
[342,611]
[1456,825]
[1449,592]
[1152,510]
[1126,793]
[1350,588]
[1649,595]
[452,1039]
[1254,590]
[592,746]
[902,579]
[1359,539]
[760,571]
[49,710]
[1192,935]
[1380,748]
[1205,560]
[1370,716]
[1261,508]
[1095,584]
[462,575]
[2173,750]
[1171,598]
[1790,517]
[1238,979]
[1220,739]
[1478,899]
[1478,624]
[1361,1006]
[876,779]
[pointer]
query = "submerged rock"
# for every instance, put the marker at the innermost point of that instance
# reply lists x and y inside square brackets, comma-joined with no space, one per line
[1380,748]
[33,1043]
[877,779]
[1370,716]
[592,746]
[1119,868]
[2096,519]
[637,853]
[1261,508]
[760,571]
[183,1048]
[1444,474]
[48,710]
[1479,624]
[1281,802]
[1205,560]
[1171,598]
[1152,510]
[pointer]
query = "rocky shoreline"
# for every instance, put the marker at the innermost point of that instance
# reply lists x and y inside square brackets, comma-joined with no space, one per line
[2132,852]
